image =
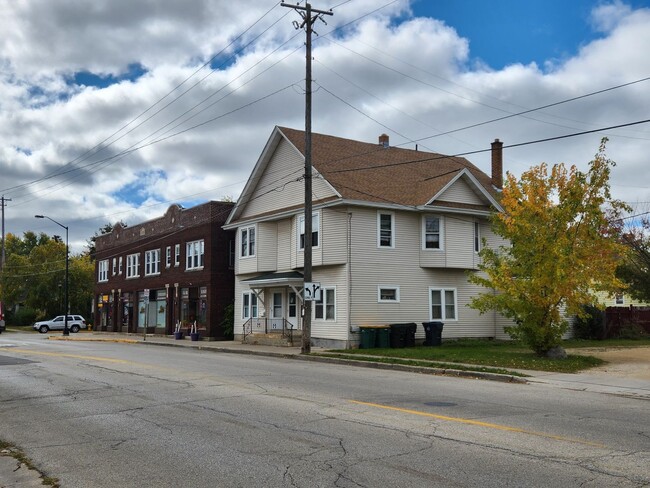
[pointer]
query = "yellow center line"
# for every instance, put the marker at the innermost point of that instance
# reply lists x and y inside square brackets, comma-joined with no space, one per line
[79,356]
[480,424]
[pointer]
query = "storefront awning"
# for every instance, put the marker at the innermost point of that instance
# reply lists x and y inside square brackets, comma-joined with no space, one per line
[271,279]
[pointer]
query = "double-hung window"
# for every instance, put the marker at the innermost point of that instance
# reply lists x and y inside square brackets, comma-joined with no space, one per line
[386,229]
[249,305]
[477,237]
[442,304]
[432,232]
[119,266]
[325,308]
[315,226]
[168,256]
[177,255]
[133,265]
[102,270]
[195,253]
[247,238]
[152,262]
[114,266]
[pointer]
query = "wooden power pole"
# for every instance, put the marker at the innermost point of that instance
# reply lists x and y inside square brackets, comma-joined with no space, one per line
[309,16]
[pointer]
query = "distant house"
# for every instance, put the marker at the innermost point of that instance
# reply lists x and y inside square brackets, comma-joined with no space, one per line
[178,267]
[395,232]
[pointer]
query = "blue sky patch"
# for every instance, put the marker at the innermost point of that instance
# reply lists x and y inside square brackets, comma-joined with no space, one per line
[86,78]
[140,190]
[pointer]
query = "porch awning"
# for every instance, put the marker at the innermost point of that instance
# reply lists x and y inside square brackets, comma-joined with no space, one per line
[271,279]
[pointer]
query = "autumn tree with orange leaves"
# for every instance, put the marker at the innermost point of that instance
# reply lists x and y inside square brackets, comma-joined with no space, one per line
[562,227]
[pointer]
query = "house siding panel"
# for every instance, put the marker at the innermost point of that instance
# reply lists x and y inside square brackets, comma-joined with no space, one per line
[461,192]
[283,173]
[267,238]
[283,248]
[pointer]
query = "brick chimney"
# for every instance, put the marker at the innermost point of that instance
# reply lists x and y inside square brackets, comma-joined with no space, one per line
[497,164]
[383,140]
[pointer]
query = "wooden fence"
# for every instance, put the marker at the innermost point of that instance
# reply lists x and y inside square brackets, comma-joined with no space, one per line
[617,318]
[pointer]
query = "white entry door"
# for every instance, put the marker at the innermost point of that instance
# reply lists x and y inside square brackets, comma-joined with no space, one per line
[277,310]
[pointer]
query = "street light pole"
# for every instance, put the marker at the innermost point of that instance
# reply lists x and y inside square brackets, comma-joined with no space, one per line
[66,331]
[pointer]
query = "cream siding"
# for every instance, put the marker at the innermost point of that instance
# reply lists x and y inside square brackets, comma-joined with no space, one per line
[333,276]
[371,266]
[283,248]
[461,192]
[267,240]
[459,242]
[282,173]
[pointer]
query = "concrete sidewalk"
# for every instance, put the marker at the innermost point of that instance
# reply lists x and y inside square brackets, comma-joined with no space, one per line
[597,382]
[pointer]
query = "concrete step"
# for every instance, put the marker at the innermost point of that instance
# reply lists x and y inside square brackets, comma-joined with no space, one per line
[272,339]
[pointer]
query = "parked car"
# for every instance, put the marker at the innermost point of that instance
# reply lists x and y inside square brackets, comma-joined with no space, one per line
[75,324]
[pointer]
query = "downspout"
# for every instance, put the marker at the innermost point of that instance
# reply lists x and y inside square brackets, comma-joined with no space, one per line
[349,239]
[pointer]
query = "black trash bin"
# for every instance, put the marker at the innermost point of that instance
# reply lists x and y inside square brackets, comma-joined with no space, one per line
[433,333]
[409,337]
[397,335]
[402,335]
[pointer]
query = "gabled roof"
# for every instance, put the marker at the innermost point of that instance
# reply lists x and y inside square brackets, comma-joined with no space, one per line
[371,172]
[366,172]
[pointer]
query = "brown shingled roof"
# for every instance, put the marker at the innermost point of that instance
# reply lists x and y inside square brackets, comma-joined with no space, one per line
[371,172]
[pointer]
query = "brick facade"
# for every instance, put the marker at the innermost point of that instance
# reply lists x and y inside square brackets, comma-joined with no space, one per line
[181,289]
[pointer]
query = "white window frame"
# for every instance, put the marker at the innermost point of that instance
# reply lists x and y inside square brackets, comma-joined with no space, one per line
[102,271]
[133,265]
[391,245]
[477,237]
[248,250]
[114,266]
[443,304]
[315,229]
[441,233]
[194,254]
[322,305]
[387,287]
[248,310]
[619,299]
[168,257]
[119,266]
[152,262]
[177,255]
[292,308]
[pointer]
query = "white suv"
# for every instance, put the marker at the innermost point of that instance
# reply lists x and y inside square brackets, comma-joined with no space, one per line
[75,323]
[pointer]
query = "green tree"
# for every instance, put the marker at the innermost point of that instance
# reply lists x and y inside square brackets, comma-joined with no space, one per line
[634,270]
[562,249]
[105,229]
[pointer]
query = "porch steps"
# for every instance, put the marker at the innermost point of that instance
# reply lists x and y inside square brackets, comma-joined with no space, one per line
[272,339]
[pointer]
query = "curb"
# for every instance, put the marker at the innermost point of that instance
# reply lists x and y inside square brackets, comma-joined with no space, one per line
[503,378]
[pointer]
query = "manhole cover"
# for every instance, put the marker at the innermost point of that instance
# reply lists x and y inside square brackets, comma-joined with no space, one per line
[9,361]
[440,404]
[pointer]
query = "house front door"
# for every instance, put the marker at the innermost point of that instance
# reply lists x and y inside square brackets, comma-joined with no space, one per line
[277,310]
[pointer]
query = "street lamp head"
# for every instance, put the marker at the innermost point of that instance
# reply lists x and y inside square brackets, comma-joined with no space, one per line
[39,216]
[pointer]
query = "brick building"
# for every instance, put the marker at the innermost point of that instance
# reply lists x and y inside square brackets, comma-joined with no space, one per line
[178,267]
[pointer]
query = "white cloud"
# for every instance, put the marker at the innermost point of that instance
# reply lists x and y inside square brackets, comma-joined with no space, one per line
[413,76]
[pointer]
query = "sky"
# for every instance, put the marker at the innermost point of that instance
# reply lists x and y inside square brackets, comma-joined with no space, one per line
[115,109]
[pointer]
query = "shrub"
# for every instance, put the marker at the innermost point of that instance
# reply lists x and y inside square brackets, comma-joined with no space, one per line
[592,326]
[24,316]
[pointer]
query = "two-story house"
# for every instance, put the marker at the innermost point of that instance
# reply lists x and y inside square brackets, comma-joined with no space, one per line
[178,267]
[395,232]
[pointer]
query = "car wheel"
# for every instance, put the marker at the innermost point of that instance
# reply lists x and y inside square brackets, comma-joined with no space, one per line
[74,329]
[43,329]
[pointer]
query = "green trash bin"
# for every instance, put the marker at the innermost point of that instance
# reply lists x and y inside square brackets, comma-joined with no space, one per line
[368,338]
[383,337]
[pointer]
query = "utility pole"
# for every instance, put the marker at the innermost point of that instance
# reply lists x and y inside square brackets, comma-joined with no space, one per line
[2,205]
[309,16]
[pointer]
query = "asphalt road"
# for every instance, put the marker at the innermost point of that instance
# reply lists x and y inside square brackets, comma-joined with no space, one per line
[125,415]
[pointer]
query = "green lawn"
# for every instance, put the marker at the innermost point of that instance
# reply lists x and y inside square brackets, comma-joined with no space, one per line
[504,355]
